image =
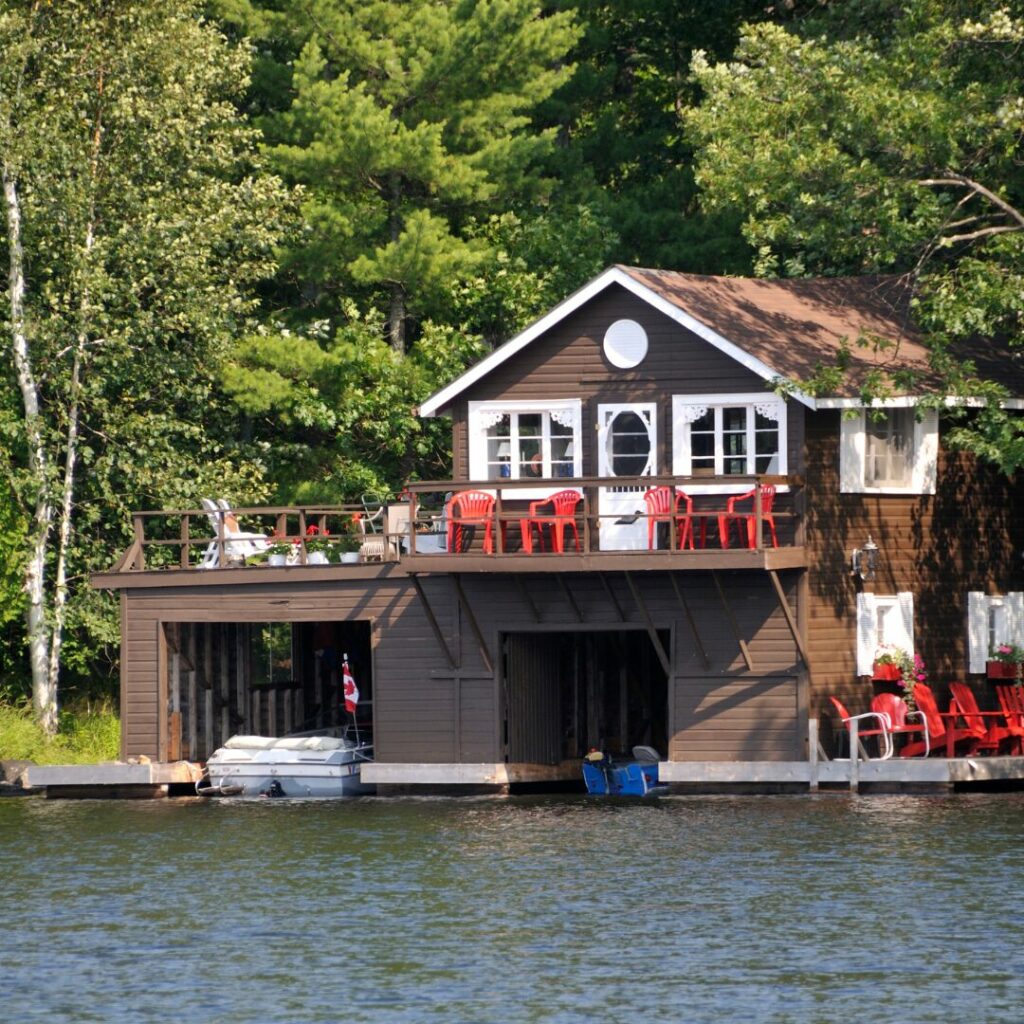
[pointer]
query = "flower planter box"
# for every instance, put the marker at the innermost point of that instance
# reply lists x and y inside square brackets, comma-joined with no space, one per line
[885,673]
[1001,669]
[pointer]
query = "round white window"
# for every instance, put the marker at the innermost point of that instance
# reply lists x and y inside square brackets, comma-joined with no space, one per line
[625,344]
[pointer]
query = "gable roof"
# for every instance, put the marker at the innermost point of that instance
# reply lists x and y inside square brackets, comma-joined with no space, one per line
[775,328]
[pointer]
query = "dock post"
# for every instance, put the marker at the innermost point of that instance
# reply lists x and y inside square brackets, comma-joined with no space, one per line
[854,755]
[812,748]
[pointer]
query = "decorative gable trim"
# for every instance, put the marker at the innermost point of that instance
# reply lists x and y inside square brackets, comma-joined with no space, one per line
[614,275]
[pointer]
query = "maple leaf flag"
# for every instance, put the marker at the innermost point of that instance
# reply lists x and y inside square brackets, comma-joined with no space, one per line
[351,690]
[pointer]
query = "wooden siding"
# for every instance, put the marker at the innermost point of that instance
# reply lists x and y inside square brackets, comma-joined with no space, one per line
[427,712]
[969,535]
[568,362]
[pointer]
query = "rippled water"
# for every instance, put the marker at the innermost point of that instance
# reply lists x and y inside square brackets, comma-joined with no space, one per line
[826,908]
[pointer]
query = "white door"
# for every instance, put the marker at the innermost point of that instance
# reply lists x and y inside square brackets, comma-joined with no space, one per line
[626,447]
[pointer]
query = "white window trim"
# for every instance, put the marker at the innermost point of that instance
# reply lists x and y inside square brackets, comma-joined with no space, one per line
[924,460]
[868,640]
[1009,631]
[684,408]
[480,412]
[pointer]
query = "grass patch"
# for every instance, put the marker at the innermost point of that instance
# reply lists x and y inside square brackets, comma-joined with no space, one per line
[84,736]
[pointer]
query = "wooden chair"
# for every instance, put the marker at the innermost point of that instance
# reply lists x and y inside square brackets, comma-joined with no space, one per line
[470,508]
[561,518]
[1011,700]
[734,514]
[896,711]
[663,506]
[991,734]
[944,734]
[882,730]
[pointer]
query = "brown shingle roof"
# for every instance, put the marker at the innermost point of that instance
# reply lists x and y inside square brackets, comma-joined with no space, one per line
[798,324]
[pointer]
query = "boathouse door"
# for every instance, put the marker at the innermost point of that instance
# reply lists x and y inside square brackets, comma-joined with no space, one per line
[626,446]
[533,698]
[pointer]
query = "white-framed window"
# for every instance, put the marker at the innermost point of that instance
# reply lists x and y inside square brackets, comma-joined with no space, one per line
[992,619]
[518,440]
[728,435]
[883,620]
[889,451]
[627,439]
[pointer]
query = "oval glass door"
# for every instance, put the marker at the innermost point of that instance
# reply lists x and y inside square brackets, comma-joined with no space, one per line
[627,446]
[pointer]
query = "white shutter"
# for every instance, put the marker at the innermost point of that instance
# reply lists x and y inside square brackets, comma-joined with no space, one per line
[851,454]
[926,453]
[977,631]
[905,622]
[1014,604]
[867,634]
[477,443]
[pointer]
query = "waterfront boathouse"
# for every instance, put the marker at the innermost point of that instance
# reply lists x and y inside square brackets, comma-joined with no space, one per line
[642,542]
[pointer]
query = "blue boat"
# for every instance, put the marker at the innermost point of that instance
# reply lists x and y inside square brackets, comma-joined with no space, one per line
[636,777]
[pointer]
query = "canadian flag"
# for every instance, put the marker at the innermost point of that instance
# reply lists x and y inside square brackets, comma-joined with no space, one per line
[351,690]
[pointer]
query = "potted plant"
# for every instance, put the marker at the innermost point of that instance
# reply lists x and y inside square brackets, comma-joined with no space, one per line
[350,539]
[318,545]
[1005,662]
[278,549]
[895,665]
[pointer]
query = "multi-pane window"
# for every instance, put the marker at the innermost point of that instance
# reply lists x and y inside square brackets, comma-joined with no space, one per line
[729,439]
[524,445]
[888,448]
[629,444]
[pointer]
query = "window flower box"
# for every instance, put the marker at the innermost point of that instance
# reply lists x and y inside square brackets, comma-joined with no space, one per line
[885,673]
[1001,669]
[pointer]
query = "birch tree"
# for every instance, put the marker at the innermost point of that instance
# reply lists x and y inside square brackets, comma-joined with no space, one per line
[134,225]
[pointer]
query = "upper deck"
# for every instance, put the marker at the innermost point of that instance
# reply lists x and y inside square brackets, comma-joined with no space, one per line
[602,524]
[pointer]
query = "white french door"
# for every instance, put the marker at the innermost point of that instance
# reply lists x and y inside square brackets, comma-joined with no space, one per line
[627,445]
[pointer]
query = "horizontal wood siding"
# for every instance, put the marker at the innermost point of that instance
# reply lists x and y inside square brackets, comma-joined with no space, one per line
[568,362]
[427,711]
[967,536]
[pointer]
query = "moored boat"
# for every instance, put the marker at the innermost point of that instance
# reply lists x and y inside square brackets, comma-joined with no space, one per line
[311,765]
[636,777]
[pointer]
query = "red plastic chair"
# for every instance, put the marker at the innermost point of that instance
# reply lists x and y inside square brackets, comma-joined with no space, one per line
[470,508]
[562,518]
[662,507]
[739,517]
[897,712]
[990,735]
[882,731]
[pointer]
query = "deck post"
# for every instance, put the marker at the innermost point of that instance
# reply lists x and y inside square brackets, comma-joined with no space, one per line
[854,755]
[812,752]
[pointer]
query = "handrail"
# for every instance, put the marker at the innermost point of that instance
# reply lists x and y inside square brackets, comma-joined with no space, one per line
[290,522]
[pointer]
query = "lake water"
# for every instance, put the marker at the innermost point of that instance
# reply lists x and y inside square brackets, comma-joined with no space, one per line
[724,909]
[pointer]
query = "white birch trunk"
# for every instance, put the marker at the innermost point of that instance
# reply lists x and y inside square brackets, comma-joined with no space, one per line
[44,691]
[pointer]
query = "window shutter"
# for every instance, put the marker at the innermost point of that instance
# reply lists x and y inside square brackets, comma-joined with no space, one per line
[977,631]
[1014,604]
[905,604]
[867,634]
[926,453]
[851,454]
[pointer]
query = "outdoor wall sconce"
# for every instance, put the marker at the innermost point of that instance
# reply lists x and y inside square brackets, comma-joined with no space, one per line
[865,560]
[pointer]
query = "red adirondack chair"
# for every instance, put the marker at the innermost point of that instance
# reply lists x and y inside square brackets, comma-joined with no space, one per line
[897,713]
[881,729]
[988,726]
[944,734]
[470,508]
[1011,700]
[663,505]
[561,517]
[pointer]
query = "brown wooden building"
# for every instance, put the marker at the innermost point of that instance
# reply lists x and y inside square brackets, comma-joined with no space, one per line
[485,657]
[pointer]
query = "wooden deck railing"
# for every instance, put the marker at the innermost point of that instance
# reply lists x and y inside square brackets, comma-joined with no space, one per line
[417,524]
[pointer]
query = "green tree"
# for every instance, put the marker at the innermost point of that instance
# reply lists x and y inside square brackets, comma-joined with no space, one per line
[405,121]
[883,136]
[135,222]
